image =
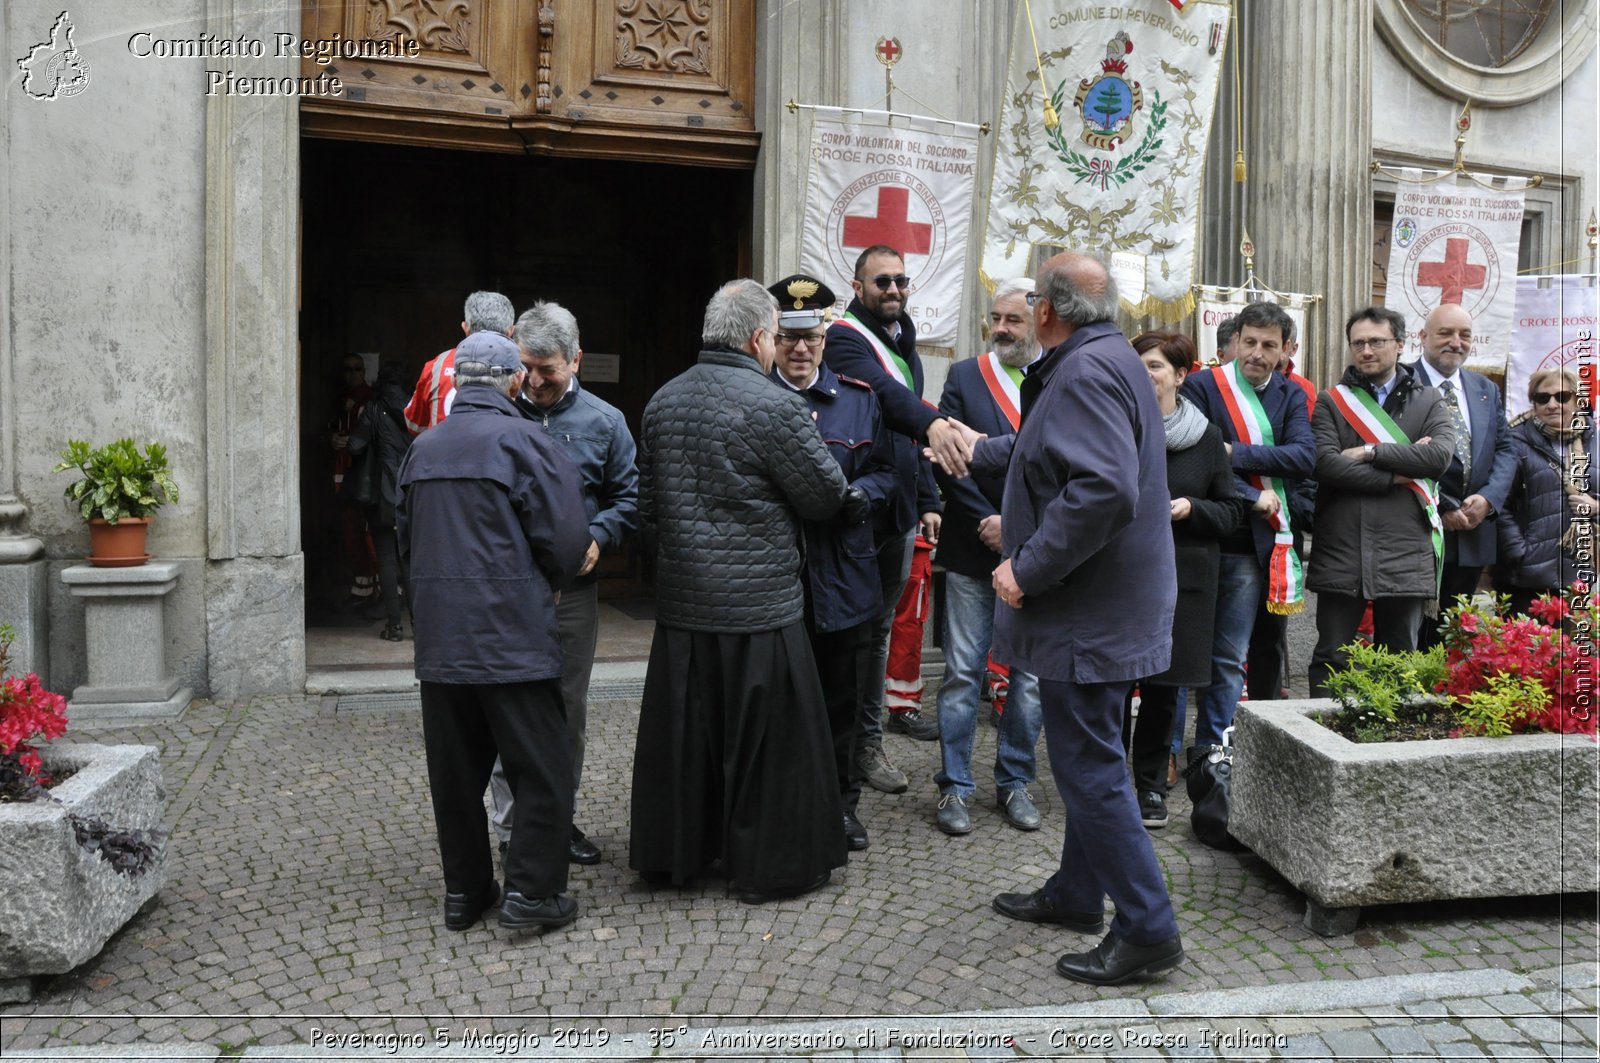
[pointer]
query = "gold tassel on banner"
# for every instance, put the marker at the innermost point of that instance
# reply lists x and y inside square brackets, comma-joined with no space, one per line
[1051,119]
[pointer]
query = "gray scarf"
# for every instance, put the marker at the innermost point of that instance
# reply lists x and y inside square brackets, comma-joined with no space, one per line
[1185,425]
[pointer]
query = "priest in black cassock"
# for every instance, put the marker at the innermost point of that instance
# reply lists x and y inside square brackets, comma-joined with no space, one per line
[734,759]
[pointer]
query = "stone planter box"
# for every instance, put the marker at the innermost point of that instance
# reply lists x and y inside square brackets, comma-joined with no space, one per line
[1352,823]
[59,901]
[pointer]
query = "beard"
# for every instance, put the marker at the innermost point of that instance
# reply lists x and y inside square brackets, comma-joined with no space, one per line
[1014,353]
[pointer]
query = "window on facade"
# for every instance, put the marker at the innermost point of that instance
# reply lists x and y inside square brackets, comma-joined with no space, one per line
[1487,33]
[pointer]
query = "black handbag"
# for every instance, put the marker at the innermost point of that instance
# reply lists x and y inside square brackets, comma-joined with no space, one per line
[1209,780]
[362,478]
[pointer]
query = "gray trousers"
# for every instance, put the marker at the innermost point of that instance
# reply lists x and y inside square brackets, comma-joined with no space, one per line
[894,568]
[578,616]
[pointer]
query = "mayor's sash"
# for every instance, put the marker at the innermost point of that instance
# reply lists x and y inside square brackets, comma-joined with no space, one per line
[1361,411]
[1286,585]
[892,363]
[1002,388]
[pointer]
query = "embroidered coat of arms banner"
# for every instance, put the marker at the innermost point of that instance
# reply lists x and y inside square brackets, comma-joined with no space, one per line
[1135,86]
[904,182]
[1456,242]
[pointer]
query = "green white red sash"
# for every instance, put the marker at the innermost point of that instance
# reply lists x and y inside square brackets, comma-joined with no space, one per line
[1362,413]
[1007,396]
[892,363]
[1286,585]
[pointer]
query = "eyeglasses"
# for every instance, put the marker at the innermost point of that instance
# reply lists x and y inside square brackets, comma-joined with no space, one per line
[1032,297]
[1372,345]
[899,280]
[794,339]
[355,369]
[1542,397]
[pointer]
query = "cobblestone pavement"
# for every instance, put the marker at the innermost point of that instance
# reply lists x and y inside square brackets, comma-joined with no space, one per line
[303,899]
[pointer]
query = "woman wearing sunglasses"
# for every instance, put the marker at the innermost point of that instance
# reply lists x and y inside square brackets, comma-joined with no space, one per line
[1553,499]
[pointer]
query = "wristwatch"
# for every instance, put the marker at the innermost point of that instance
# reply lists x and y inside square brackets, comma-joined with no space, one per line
[1370,450]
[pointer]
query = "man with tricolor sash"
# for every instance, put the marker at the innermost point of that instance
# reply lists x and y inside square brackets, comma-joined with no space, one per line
[1383,440]
[1262,418]
[876,341]
[984,392]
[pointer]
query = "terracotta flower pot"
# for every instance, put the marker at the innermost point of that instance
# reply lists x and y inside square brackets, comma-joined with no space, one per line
[119,545]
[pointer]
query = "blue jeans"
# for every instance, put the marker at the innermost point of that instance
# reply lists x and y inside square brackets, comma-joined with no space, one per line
[968,629]
[1240,585]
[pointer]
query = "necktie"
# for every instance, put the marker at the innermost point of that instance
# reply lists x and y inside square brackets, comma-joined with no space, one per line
[1463,437]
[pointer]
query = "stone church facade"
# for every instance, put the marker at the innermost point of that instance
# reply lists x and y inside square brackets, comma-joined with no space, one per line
[156,244]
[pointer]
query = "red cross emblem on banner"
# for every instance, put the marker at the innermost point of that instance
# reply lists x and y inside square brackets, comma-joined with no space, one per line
[891,225]
[888,50]
[1455,275]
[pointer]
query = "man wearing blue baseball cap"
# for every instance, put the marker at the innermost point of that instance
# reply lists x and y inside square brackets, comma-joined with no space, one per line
[492,518]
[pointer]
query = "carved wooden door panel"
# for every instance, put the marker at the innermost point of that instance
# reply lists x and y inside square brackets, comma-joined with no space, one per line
[656,80]
[680,69]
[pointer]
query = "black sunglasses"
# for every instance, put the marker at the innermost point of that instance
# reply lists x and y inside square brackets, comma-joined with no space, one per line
[900,280]
[1542,397]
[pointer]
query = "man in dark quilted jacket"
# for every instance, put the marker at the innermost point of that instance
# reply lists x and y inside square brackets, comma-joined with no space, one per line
[734,759]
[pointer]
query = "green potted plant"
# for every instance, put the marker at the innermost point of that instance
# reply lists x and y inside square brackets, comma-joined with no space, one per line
[117,493]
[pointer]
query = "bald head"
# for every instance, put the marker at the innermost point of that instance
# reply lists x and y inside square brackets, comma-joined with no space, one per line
[1079,291]
[1447,338]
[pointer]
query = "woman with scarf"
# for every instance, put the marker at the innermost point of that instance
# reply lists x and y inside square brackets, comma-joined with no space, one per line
[1553,498]
[1205,507]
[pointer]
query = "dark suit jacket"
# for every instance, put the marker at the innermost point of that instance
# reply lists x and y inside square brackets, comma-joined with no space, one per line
[1494,466]
[1293,457]
[849,354]
[969,500]
[1087,521]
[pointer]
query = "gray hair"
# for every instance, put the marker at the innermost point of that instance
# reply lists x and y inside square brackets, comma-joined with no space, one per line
[548,328]
[1019,286]
[1071,303]
[480,374]
[737,310]
[488,312]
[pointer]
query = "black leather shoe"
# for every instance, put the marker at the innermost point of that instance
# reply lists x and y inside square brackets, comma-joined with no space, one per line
[753,896]
[462,910]
[1038,907]
[1115,961]
[522,913]
[580,850]
[855,835]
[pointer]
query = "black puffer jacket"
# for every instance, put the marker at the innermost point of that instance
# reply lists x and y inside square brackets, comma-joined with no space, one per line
[1536,513]
[729,462]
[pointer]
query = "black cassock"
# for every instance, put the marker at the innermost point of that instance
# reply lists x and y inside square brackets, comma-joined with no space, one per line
[735,761]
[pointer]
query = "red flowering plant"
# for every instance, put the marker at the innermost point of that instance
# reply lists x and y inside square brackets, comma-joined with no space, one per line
[28,713]
[1509,673]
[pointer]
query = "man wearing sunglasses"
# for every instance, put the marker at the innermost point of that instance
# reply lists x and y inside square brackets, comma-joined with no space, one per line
[1476,485]
[876,341]
[1383,440]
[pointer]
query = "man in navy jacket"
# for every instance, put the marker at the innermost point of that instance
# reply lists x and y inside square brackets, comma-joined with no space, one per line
[1265,330]
[841,568]
[493,521]
[1476,485]
[876,341]
[1086,520]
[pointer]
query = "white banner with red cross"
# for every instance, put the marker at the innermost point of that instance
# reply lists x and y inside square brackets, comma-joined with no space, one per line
[901,181]
[1554,327]
[1457,243]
